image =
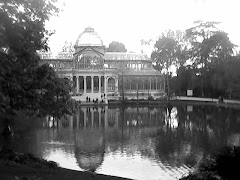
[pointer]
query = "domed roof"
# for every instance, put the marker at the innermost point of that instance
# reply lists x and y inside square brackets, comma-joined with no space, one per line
[88,38]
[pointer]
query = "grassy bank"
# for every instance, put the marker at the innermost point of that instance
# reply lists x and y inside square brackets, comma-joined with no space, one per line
[18,166]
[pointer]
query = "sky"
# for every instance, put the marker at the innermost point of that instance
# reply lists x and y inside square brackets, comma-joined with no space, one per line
[129,21]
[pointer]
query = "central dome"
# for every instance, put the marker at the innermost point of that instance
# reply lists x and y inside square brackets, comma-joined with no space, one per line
[88,38]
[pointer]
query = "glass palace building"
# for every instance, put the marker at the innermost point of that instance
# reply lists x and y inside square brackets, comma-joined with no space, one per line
[102,75]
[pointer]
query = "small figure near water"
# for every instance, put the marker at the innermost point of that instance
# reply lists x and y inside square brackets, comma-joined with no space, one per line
[220,99]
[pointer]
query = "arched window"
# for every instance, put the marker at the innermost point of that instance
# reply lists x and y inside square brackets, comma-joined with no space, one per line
[146,83]
[111,84]
[153,83]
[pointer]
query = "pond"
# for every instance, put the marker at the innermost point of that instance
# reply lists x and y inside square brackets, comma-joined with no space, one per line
[139,142]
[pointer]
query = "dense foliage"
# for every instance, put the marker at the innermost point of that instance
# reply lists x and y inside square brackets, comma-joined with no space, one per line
[24,85]
[205,61]
[222,164]
[115,46]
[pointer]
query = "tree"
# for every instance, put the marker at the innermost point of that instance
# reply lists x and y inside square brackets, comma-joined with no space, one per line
[22,33]
[208,45]
[164,54]
[115,46]
[232,76]
[54,92]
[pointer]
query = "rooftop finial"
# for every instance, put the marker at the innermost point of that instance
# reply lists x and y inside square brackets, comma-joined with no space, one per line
[89,29]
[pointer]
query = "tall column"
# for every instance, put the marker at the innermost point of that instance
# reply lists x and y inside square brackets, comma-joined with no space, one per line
[92,84]
[77,79]
[150,85]
[99,84]
[160,85]
[106,88]
[130,82]
[156,83]
[164,86]
[85,84]
[105,85]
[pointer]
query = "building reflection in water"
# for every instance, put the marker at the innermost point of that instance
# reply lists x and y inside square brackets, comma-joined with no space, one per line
[97,131]
[166,142]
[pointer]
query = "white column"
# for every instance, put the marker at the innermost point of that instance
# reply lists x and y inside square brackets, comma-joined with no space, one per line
[106,86]
[164,86]
[92,87]
[77,79]
[130,81]
[150,85]
[106,89]
[85,84]
[99,84]
[156,83]
[160,85]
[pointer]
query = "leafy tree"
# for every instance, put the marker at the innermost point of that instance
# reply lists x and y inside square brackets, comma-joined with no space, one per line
[186,76]
[232,76]
[163,55]
[25,85]
[54,92]
[169,50]
[208,45]
[115,46]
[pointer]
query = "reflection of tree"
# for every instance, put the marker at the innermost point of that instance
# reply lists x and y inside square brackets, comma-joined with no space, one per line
[198,132]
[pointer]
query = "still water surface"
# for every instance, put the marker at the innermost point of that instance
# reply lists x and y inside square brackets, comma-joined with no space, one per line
[133,142]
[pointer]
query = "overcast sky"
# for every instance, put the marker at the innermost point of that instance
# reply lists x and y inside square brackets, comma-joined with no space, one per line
[129,21]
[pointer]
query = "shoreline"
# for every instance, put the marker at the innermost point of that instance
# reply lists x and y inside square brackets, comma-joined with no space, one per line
[22,172]
[19,166]
[178,100]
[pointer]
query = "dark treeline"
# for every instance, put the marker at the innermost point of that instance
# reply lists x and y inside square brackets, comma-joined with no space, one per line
[206,61]
[25,86]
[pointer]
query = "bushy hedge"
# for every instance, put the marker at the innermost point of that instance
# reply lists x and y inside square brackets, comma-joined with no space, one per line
[223,164]
[10,157]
